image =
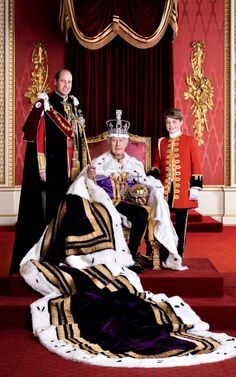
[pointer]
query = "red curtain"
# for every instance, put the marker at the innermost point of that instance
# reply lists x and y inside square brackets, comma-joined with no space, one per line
[119,75]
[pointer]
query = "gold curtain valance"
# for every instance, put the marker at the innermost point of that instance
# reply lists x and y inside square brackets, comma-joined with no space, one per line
[117,26]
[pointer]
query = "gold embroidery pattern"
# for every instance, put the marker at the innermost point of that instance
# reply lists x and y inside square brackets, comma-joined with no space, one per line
[61,313]
[100,238]
[62,122]
[197,177]
[60,279]
[119,186]
[42,162]
[172,168]
[68,110]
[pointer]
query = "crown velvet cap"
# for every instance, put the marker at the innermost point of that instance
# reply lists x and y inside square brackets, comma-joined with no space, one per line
[118,127]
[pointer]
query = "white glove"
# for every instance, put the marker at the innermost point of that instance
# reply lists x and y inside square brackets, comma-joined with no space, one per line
[45,97]
[75,100]
[193,195]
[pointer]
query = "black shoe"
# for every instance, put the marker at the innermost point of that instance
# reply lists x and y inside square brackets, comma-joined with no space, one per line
[136,267]
[144,260]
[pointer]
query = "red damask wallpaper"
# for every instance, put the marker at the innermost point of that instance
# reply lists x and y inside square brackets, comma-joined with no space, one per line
[198,21]
[33,24]
[203,21]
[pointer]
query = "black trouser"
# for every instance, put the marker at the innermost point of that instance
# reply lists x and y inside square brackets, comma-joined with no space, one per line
[181,220]
[138,217]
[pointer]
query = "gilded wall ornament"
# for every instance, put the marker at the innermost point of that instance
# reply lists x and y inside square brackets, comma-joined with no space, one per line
[39,75]
[200,91]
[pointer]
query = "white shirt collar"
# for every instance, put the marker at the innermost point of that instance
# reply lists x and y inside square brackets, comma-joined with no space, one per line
[175,134]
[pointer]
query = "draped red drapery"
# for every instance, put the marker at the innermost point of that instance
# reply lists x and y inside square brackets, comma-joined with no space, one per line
[120,55]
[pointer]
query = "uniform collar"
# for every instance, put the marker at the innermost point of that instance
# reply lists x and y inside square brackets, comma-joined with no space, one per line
[63,99]
[176,134]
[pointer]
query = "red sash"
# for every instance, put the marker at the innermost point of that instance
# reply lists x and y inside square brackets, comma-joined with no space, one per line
[60,122]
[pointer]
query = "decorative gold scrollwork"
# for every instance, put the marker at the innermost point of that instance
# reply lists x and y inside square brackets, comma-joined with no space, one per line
[200,91]
[40,73]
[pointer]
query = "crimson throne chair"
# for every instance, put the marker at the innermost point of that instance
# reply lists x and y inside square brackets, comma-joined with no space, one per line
[139,147]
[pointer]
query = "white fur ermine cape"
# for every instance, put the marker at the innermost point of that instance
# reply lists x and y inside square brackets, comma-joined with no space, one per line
[164,230]
[94,305]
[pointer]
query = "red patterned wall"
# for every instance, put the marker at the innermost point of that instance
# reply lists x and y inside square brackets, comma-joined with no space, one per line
[198,20]
[32,24]
[203,21]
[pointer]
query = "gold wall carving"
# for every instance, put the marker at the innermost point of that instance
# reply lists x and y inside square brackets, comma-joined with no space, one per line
[200,91]
[40,73]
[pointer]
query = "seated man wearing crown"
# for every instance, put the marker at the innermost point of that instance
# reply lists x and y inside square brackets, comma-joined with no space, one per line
[94,308]
[138,198]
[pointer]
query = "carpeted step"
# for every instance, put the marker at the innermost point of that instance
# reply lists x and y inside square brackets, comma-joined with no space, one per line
[219,313]
[208,224]
[6,247]
[199,223]
[200,280]
[193,216]
[15,286]
[15,312]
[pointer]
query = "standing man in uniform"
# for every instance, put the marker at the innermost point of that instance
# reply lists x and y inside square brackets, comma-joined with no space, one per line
[177,164]
[51,160]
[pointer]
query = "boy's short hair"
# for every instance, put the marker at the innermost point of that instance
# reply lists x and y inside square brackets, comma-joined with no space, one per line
[173,113]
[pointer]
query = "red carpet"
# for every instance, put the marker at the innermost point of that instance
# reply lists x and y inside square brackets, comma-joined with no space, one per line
[200,223]
[7,235]
[209,286]
[21,355]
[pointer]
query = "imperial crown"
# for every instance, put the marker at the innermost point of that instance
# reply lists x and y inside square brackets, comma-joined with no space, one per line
[118,127]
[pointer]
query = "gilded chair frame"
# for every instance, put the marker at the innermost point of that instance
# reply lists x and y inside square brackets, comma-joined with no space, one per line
[146,140]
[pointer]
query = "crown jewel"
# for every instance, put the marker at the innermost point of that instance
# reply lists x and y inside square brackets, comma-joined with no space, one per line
[118,127]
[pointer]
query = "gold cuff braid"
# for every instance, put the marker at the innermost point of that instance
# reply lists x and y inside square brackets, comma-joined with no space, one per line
[42,162]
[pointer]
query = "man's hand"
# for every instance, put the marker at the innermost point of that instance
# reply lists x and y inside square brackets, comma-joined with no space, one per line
[91,172]
[42,176]
[141,201]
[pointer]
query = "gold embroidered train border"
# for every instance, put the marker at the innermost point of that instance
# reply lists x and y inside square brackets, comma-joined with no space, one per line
[102,277]
[99,239]
[68,331]
[58,278]
[52,229]
[62,318]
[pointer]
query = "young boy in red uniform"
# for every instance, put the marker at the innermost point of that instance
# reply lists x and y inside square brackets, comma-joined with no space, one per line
[178,163]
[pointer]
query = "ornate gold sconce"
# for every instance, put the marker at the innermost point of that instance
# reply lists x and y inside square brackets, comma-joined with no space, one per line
[200,91]
[40,73]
